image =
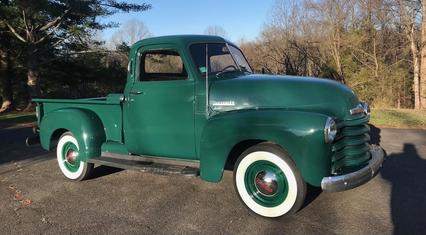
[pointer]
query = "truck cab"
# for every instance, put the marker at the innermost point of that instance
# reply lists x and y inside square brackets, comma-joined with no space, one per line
[193,106]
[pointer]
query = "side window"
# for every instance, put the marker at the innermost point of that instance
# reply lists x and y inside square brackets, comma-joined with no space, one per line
[162,65]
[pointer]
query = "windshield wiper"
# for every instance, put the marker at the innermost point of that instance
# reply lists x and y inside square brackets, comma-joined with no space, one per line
[219,74]
[244,69]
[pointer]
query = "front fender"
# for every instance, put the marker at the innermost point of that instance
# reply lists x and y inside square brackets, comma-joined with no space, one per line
[84,124]
[301,134]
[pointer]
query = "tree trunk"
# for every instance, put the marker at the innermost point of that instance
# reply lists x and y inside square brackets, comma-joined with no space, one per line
[33,79]
[416,69]
[6,82]
[422,88]
[335,51]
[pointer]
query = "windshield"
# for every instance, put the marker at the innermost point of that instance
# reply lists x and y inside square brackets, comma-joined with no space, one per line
[240,59]
[221,58]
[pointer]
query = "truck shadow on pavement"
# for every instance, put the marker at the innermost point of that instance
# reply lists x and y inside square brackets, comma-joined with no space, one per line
[406,172]
[101,171]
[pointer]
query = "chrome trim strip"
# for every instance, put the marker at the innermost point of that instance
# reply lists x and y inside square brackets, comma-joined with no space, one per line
[161,160]
[357,178]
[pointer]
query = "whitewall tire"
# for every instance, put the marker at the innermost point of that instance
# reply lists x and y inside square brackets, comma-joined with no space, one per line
[268,182]
[67,155]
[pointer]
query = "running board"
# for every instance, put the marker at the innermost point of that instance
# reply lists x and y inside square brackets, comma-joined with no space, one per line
[146,166]
[146,158]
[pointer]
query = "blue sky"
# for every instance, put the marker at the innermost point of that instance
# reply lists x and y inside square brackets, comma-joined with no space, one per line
[240,19]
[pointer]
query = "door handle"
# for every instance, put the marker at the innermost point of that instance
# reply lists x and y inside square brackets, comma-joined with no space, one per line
[136,92]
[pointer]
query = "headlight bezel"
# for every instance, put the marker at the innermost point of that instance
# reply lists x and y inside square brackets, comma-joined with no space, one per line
[361,108]
[330,130]
[366,108]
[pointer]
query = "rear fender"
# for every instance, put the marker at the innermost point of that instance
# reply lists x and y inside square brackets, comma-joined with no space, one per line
[84,124]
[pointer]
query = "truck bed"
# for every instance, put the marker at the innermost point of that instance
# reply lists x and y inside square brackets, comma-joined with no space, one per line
[108,109]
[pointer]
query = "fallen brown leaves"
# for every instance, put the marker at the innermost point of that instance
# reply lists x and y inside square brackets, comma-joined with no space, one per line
[17,195]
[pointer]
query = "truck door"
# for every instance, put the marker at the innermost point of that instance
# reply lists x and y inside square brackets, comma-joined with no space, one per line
[159,112]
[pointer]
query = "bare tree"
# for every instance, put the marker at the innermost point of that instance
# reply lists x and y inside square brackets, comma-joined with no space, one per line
[371,45]
[408,12]
[131,32]
[332,16]
[422,87]
[291,41]
[216,30]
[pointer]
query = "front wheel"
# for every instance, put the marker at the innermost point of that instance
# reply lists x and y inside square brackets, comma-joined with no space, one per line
[67,154]
[268,182]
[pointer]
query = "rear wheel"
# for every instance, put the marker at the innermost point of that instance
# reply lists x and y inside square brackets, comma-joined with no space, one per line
[268,182]
[67,155]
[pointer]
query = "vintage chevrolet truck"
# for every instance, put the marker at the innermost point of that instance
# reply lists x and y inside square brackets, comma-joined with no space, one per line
[193,106]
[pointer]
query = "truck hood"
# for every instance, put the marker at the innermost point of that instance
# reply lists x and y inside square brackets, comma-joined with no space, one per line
[285,92]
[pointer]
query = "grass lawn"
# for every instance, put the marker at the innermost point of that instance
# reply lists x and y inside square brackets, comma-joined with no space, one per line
[398,118]
[17,118]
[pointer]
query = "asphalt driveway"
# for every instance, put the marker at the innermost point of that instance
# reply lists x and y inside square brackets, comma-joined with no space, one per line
[36,198]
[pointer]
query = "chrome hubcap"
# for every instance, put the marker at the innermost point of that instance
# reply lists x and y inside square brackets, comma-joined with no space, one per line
[71,156]
[266,183]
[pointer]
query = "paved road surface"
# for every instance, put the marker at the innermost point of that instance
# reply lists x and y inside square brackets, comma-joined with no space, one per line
[35,198]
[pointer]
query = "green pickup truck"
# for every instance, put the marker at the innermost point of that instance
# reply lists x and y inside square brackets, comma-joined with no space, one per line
[193,106]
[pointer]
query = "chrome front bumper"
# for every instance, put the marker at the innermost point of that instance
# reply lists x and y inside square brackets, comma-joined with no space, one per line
[357,178]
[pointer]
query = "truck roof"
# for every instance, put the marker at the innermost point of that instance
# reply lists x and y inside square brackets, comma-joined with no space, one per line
[180,40]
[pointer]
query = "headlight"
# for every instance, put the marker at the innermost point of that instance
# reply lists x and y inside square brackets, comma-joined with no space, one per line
[330,130]
[366,108]
[362,107]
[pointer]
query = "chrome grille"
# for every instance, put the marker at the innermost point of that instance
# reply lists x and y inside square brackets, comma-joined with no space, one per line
[350,150]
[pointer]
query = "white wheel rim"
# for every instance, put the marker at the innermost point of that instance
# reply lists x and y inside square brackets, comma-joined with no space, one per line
[61,162]
[288,202]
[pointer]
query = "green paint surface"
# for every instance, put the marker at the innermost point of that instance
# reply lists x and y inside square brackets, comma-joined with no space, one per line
[169,118]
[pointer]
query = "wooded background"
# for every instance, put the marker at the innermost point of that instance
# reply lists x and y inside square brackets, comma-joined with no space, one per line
[377,47]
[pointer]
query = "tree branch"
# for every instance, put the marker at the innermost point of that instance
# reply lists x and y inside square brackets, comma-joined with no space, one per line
[57,20]
[362,62]
[76,53]
[12,30]
[25,21]
[53,45]
[44,38]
